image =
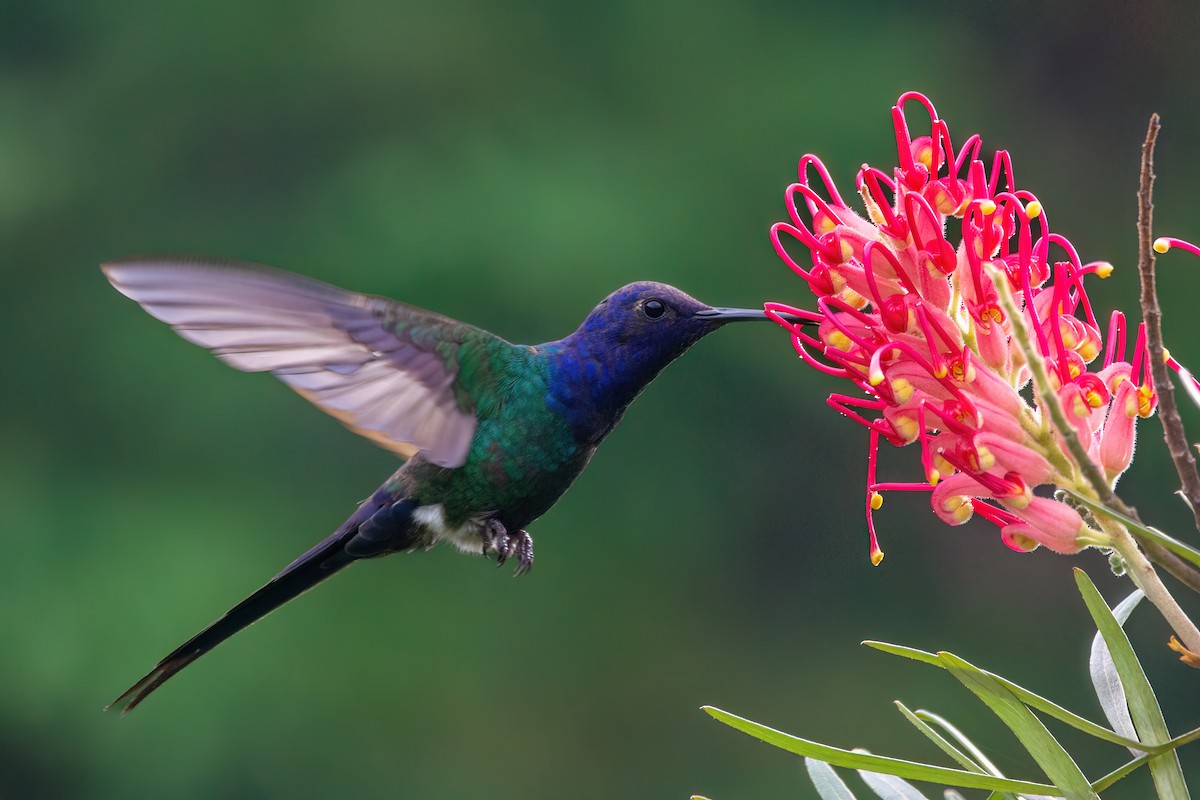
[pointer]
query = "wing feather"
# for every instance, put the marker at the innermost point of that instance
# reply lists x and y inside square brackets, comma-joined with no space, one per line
[385,370]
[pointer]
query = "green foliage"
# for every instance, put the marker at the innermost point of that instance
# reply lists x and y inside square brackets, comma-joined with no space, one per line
[1119,680]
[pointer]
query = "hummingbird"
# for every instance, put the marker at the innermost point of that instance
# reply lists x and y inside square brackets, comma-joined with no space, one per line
[493,432]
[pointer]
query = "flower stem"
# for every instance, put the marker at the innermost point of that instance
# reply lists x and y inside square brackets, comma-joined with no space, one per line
[1142,572]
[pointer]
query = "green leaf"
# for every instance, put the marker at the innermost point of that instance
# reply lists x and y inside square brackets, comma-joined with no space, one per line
[829,785]
[1125,769]
[891,766]
[970,746]
[1034,701]
[1044,748]
[1107,682]
[889,787]
[1144,531]
[1143,705]
[946,747]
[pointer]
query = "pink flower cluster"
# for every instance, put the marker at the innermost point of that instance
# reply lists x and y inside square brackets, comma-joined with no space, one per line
[910,308]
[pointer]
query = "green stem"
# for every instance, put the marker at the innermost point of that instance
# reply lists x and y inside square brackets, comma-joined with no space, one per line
[1142,572]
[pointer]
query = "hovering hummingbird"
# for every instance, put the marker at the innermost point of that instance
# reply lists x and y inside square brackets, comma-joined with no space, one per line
[494,432]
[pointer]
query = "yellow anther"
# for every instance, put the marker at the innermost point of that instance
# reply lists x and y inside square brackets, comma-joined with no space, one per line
[1133,405]
[853,298]
[906,427]
[1103,270]
[1161,245]
[838,341]
[1022,541]
[846,250]
[987,206]
[876,501]
[1018,501]
[823,223]
[837,280]
[1145,401]
[958,508]
[1033,210]
[1088,349]
[941,466]
[1095,399]
[943,203]
[1079,408]
[962,372]
[985,458]
[902,390]
[925,156]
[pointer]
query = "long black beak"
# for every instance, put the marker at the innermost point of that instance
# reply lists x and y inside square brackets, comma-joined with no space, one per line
[722,315]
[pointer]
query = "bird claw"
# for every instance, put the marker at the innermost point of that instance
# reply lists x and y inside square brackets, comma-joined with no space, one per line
[524,551]
[497,539]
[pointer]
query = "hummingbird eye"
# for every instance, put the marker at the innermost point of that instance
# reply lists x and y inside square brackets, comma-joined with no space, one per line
[654,308]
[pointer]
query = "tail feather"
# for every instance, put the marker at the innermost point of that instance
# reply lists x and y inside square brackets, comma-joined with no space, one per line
[316,565]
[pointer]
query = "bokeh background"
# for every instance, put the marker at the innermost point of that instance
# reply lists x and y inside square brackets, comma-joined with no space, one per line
[509,164]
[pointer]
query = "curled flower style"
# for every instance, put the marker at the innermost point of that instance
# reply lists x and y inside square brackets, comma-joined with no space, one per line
[911,308]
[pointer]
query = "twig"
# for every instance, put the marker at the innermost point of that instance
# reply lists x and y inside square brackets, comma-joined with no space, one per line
[1168,412]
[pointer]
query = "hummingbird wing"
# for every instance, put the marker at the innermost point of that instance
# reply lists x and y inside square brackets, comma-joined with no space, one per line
[386,370]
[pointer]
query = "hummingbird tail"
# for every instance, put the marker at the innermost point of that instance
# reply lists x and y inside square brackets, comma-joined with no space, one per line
[321,562]
[333,554]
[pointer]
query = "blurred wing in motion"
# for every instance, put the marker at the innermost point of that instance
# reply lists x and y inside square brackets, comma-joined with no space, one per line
[384,369]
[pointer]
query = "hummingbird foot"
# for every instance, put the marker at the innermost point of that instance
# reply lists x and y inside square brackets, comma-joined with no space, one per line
[524,552]
[506,545]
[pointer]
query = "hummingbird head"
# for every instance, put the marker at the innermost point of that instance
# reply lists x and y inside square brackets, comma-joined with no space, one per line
[627,340]
[655,323]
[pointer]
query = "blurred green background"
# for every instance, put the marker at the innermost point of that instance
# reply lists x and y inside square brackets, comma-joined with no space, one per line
[509,164]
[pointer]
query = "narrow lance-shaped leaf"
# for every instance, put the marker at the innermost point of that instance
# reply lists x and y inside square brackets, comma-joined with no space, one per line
[943,744]
[1034,701]
[1143,705]
[826,780]
[971,748]
[1044,748]
[892,766]
[1130,767]
[889,787]
[1109,690]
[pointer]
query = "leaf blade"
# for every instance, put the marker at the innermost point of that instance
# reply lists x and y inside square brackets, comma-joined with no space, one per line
[1143,705]
[827,782]
[1029,730]
[889,787]
[1107,682]
[1031,699]
[892,766]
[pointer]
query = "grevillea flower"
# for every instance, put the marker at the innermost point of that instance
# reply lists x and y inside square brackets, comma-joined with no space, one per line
[911,306]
